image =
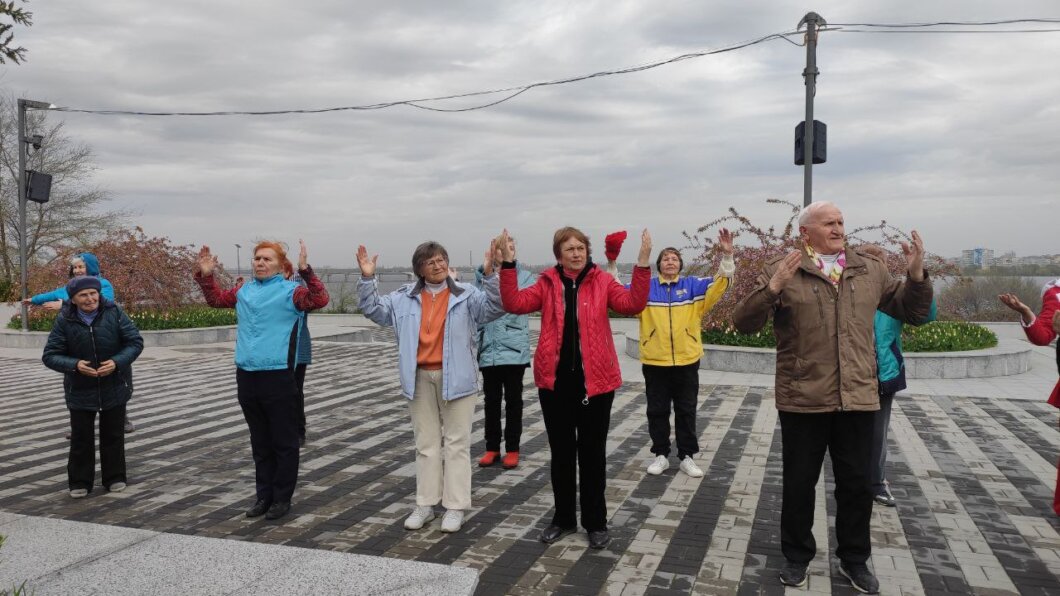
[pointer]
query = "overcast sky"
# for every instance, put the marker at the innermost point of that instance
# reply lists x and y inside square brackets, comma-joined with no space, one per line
[955,135]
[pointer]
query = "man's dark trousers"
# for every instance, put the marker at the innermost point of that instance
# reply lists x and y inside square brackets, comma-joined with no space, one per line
[848,438]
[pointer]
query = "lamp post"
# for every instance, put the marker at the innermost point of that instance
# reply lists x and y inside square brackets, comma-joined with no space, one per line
[24,104]
[813,21]
[238,268]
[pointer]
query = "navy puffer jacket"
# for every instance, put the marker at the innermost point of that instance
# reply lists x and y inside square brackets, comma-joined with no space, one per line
[112,336]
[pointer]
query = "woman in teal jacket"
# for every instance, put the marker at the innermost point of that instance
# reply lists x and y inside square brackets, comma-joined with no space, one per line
[503,356]
[890,371]
[85,263]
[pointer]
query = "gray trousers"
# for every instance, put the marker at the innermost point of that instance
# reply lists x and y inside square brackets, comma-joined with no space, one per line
[879,445]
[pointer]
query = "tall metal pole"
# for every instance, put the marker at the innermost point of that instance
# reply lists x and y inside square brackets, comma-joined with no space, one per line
[23,233]
[22,258]
[813,21]
[239,269]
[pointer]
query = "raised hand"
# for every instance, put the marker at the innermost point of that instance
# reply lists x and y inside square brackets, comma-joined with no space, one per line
[644,257]
[303,256]
[366,264]
[914,257]
[725,241]
[785,272]
[207,262]
[505,246]
[490,256]
[54,305]
[1013,302]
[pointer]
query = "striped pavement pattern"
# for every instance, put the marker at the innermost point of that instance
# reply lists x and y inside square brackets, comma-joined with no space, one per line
[973,478]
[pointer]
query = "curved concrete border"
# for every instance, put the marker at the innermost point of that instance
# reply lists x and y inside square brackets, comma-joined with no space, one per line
[152,339]
[1010,357]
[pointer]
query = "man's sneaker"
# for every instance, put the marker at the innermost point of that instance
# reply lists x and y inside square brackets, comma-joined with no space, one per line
[489,458]
[885,499]
[658,465]
[453,520]
[793,574]
[860,577]
[129,425]
[117,487]
[689,467]
[78,493]
[420,516]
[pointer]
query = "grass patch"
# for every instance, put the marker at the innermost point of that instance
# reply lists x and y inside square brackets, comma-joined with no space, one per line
[184,317]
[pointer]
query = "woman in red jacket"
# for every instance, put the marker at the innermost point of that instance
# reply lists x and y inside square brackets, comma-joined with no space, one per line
[576,368]
[1041,330]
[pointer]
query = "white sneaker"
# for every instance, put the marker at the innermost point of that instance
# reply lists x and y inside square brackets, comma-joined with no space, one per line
[453,520]
[689,467]
[117,487]
[79,493]
[419,517]
[658,465]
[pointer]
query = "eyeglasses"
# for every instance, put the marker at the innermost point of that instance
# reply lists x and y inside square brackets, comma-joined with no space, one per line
[439,262]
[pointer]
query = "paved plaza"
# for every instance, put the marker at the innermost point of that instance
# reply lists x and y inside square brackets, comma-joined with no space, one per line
[973,477]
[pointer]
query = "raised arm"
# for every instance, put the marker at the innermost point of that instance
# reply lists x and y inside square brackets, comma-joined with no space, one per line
[908,301]
[376,308]
[314,294]
[215,296]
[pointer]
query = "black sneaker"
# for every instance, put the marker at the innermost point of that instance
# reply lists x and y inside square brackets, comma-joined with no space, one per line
[793,574]
[860,577]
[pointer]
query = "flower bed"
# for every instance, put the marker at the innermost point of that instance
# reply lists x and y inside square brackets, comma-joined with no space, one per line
[185,317]
[937,336]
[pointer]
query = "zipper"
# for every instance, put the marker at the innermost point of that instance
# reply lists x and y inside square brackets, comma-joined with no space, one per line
[95,354]
[820,304]
[577,348]
[670,316]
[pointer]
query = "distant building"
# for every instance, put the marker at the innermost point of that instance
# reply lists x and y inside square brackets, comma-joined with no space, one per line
[1008,259]
[982,258]
[1036,260]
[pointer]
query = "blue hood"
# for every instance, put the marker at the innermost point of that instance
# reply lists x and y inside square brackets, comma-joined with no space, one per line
[91,263]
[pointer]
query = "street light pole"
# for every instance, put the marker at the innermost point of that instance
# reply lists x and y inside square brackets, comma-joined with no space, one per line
[238,268]
[23,258]
[813,21]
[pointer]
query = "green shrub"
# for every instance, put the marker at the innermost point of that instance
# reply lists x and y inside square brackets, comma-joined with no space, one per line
[940,336]
[947,336]
[184,317]
[729,336]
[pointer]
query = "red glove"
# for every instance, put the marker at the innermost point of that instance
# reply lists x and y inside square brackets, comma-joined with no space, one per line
[613,244]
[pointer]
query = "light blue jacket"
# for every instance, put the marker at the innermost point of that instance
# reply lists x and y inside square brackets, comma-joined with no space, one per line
[267,318]
[91,268]
[506,340]
[890,364]
[468,308]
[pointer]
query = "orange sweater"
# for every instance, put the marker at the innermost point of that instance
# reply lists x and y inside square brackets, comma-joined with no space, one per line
[432,329]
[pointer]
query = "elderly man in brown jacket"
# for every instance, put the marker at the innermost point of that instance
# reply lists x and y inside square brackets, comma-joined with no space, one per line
[823,299]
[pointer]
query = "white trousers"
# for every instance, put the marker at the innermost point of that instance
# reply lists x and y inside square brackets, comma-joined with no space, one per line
[443,443]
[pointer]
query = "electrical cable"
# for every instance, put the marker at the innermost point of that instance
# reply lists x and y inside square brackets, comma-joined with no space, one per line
[419,103]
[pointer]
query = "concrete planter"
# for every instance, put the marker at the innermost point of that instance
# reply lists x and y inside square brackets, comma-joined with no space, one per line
[152,339]
[1010,357]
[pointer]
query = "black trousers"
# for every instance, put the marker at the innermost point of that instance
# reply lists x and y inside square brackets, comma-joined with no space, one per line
[299,379]
[677,386]
[577,437]
[81,466]
[503,381]
[269,399]
[848,438]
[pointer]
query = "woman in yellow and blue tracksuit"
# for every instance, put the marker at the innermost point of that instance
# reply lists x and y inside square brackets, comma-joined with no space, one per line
[671,346]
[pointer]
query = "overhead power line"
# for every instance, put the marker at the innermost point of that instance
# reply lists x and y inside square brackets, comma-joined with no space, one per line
[513,92]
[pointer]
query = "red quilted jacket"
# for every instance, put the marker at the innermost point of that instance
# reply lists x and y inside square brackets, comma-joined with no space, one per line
[597,292]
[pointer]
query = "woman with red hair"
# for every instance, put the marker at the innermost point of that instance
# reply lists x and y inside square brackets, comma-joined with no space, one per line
[270,310]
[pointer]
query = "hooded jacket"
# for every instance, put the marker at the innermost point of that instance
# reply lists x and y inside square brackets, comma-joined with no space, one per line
[91,268]
[507,340]
[111,336]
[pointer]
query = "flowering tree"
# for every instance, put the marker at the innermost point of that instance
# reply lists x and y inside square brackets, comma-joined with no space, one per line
[147,272]
[767,243]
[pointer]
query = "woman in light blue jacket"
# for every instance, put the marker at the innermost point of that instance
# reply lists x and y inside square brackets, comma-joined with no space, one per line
[85,263]
[436,321]
[503,356]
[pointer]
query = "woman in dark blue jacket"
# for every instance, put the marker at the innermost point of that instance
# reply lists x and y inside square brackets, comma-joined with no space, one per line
[94,344]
